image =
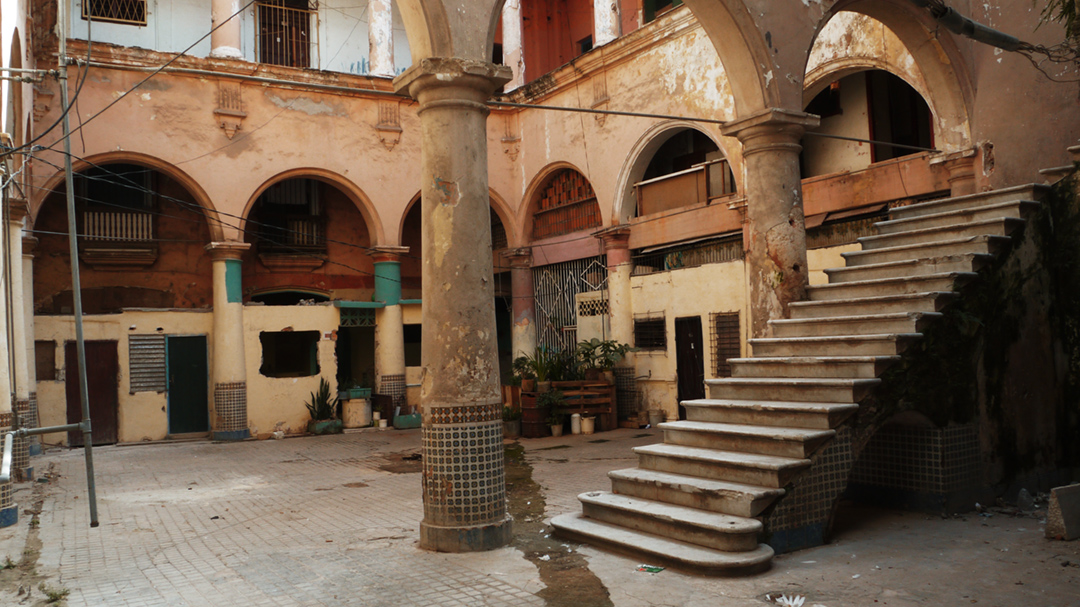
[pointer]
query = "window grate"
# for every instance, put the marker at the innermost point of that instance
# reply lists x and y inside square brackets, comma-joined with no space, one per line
[357,317]
[146,360]
[725,342]
[132,12]
[285,35]
[555,289]
[650,333]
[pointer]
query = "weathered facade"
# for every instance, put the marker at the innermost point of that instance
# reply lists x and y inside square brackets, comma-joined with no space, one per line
[275,207]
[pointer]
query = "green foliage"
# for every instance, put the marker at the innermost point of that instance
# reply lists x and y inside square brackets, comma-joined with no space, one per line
[322,405]
[53,595]
[597,354]
[552,401]
[522,368]
[1065,12]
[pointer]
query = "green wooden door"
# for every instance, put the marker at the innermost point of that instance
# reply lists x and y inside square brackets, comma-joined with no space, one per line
[187,384]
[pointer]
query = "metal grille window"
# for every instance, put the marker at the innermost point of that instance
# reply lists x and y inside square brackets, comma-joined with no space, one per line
[132,12]
[725,342]
[146,359]
[650,333]
[555,289]
[285,35]
[357,317]
[650,261]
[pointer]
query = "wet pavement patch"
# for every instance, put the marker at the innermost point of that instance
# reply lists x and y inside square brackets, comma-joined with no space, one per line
[552,448]
[564,571]
[407,462]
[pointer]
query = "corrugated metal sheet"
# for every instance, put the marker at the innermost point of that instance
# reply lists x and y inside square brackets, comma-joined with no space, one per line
[146,358]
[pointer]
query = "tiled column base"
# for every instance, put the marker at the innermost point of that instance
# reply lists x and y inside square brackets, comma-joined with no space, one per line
[33,421]
[21,470]
[230,408]
[464,481]
[802,518]
[9,511]
[394,386]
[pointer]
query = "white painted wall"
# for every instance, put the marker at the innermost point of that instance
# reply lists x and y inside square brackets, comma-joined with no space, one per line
[171,26]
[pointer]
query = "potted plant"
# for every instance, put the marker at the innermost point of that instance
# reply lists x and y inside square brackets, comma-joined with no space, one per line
[552,401]
[322,407]
[599,357]
[523,371]
[539,367]
[511,422]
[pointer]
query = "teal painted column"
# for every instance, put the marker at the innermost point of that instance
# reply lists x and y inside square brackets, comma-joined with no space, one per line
[229,419]
[389,324]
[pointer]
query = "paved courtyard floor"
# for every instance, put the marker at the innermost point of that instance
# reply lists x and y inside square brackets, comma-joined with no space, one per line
[328,521]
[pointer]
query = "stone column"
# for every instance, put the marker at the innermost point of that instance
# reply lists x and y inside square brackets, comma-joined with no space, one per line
[230,417]
[463,479]
[524,306]
[620,307]
[606,21]
[20,464]
[225,40]
[29,243]
[511,41]
[9,510]
[389,327]
[961,168]
[776,250]
[380,38]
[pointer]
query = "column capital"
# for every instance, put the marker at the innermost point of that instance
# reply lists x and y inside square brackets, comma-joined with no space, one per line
[227,250]
[615,237]
[17,210]
[771,129]
[520,258]
[388,253]
[29,243]
[423,80]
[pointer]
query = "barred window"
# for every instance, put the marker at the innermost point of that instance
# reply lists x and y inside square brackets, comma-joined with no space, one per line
[725,342]
[132,12]
[650,333]
[285,33]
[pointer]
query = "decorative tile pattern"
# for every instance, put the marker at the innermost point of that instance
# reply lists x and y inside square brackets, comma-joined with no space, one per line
[464,480]
[466,415]
[815,493]
[924,460]
[20,452]
[6,496]
[230,406]
[394,386]
[33,420]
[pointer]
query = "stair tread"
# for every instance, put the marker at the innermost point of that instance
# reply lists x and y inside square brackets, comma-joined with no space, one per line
[695,483]
[822,338]
[670,550]
[956,212]
[775,405]
[862,317]
[976,196]
[750,460]
[803,360]
[892,280]
[923,245]
[773,432]
[713,521]
[967,224]
[885,265]
[875,299]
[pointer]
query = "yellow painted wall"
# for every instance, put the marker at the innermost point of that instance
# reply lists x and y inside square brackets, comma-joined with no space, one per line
[699,292]
[142,416]
[818,260]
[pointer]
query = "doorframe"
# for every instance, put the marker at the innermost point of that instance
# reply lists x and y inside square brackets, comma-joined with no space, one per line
[701,357]
[168,393]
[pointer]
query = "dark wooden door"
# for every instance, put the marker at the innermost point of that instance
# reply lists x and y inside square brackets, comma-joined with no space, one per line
[102,369]
[187,384]
[689,360]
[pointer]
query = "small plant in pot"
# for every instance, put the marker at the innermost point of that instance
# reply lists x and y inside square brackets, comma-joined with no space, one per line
[599,357]
[522,369]
[552,401]
[511,422]
[322,408]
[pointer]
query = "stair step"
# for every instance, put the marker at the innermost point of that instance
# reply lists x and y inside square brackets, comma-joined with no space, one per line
[964,262]
[749,468]
[836,367]
[864,306]
[716,496]
[953,217]
[699,527]
[983,244]
[766,440]
[1029,191]
[947,281]
[897,322]
[783,414]
[662,550]
[995,227]
[880,344]
[1054,174]
[821,390]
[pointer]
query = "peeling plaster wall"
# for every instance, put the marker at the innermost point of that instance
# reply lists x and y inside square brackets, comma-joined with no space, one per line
[170,26]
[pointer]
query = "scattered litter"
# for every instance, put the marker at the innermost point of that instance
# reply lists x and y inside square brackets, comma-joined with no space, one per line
[878,567]
[278,435]
[808,562]
[791,601]
[1024,500]
[214,518]
[649,568]
[856,576]
[546,557]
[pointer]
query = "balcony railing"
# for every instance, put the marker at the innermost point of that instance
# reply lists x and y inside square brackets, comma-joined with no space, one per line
[695,185]
[118,226]
[286,34]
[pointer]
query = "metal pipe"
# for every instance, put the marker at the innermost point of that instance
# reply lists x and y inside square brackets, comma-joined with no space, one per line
[5,468]
[963,26]
[76,285]
[20,432]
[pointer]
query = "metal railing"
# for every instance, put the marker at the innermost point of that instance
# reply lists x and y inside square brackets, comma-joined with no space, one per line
[119,226]
[84,427]
[285,35]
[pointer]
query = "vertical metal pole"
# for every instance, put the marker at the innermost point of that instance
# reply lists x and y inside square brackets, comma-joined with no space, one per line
[76,285]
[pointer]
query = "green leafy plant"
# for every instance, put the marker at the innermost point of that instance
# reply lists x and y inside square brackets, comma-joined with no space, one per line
[552,401]
[322,405]
[601,354]
[53,595]
[522,368]
[510,414]
[1065,12]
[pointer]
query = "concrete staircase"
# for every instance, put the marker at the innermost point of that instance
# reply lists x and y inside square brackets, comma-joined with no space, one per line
[697,500]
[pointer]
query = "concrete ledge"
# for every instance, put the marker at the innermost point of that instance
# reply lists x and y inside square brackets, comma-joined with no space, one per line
[234,435]
[466,539]
[1063,517]
[9,516]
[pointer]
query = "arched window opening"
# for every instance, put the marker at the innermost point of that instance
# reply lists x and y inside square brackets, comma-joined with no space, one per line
[688,169]
[288,218]
[567,204]
[873,105]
